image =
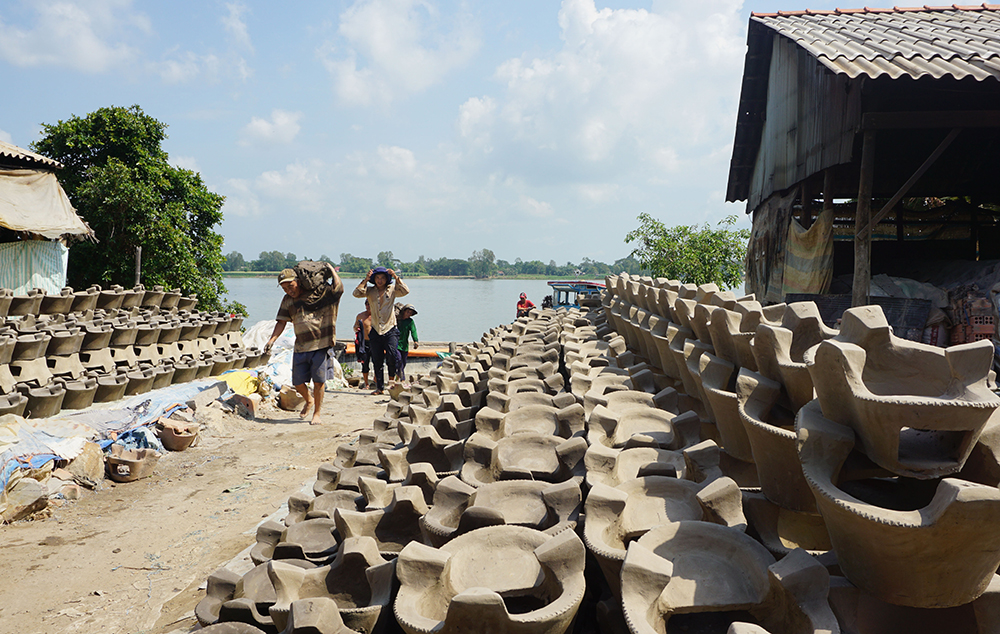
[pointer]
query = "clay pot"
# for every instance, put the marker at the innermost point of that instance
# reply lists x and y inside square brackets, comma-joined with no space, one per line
[110,387]
[79,393]
[163,375]
[139,381]
[43,402]
[57,304]
[169,332]
[13,403]
[111,298]
[185,370]
[127,465]
[222,363]
[96,336]
[178,439]
[190,330]
[6,297]
[170,299]
[64,342]
[84,301]
[187,303]
[146,334]
[123,334]
[30,346]
[152,298]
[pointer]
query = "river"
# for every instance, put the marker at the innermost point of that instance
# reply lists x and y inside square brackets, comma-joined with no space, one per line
[448,309]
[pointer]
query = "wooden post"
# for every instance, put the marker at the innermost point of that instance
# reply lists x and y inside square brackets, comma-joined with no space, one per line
[806,194]
[828,189]
[862,224]
[138,264]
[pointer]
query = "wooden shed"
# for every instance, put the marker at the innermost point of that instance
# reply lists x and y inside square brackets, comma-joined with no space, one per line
[867,140]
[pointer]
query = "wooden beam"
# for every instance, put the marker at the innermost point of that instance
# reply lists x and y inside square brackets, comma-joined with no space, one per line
[827,188]
[862,223]
[938,119]
[806,194]
[935,155]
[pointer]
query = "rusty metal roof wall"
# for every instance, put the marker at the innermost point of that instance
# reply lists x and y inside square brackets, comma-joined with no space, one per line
[22,156]
[958,41]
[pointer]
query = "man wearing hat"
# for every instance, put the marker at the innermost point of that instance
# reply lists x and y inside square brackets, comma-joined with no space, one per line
[407,328]
[386,286]
[313,313]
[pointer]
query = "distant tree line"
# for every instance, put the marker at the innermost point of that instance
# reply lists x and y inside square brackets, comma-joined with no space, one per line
[481,264]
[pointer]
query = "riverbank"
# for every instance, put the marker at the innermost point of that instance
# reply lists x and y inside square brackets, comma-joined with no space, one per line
[357,276]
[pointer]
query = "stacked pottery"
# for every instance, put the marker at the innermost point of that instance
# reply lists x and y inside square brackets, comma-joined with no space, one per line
[70,350]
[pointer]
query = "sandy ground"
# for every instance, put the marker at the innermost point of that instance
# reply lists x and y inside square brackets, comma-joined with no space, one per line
[134,557]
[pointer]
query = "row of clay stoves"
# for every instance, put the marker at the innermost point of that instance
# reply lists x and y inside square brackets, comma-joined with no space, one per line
[37,302]
[70,361]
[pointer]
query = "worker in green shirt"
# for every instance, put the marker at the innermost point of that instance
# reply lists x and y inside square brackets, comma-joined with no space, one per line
[407,328]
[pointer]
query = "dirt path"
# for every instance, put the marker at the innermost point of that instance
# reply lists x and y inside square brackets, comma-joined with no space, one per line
[131,557]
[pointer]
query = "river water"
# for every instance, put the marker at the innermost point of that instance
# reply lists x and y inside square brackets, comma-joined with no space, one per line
[448,309]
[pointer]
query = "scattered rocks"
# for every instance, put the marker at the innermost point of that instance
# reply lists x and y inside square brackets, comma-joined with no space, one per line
[27,496]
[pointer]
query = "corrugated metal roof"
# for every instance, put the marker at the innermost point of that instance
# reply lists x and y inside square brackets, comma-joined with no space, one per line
[29,159]
[958,41]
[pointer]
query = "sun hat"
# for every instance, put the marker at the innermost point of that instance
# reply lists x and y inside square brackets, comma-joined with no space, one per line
[376,271]
[408,307]
[286,275]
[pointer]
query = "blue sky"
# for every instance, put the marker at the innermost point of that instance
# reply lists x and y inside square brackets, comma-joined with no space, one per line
[535,128]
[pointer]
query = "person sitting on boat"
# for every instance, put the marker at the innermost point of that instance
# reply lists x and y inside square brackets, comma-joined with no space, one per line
[524,305]
[407,328]
[362,327]
[384,335]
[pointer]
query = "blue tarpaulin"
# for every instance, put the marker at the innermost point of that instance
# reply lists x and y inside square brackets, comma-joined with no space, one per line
[62,437]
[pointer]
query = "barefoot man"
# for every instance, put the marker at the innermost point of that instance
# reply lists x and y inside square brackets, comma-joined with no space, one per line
[313,314]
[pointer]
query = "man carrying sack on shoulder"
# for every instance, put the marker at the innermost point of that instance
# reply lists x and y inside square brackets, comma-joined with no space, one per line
[311,304]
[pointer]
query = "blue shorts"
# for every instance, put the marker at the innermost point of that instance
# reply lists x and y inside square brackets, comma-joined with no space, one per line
[308,366]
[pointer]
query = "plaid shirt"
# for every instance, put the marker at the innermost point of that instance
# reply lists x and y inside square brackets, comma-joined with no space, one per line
[315,329]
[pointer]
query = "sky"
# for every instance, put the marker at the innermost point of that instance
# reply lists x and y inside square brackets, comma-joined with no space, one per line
[534,128]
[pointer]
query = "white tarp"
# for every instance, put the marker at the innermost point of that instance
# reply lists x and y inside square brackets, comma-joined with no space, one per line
[34,201]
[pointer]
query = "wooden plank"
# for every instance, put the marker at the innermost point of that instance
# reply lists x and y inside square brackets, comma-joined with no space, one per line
[916,176]
[862,223]
[938,119]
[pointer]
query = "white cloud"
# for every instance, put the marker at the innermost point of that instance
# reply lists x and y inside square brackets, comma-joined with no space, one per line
[5,137]
[396,162]
[281,129]
[475,118]
[236,26]
[241,200]
[186,162]
[632,93]
[83,35]
[534,207]
[598,193]
[188,66]
[394,48]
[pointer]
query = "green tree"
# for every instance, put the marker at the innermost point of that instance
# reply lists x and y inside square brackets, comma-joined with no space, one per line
[234,262]
[354,264]
[448,266]
[482,264]
[119,178]
[386,259]
[269,261]
[691,254]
